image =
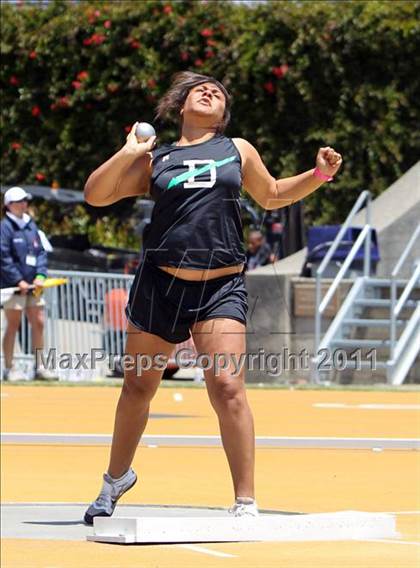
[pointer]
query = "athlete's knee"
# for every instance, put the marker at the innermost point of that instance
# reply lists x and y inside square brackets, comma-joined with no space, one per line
[228,391]
[139,387]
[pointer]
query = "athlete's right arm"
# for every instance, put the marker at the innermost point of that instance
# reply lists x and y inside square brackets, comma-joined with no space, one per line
[126,174]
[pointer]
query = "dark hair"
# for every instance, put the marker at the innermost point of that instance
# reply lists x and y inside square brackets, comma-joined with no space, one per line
[173,100]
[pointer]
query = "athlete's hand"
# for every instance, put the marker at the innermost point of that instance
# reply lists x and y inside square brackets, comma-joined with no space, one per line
[136,148]
[328,161]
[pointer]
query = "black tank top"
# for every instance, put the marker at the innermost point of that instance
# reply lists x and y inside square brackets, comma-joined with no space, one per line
[196,220]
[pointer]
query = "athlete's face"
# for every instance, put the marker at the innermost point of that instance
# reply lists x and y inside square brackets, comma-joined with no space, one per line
[205,100]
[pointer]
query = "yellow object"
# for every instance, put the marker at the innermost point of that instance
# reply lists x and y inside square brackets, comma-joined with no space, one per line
[48,283]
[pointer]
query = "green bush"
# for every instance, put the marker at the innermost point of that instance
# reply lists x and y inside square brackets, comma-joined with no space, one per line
[303,74]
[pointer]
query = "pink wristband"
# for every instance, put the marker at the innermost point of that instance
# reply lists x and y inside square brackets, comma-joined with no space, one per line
[318,174]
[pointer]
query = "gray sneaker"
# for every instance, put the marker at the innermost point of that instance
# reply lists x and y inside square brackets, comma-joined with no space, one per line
[112,490]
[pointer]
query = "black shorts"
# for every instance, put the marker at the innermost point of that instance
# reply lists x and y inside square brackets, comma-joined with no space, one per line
[167,306]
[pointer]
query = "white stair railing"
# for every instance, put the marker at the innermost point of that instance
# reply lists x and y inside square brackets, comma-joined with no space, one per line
[396,307]
[404,351]
[322,302]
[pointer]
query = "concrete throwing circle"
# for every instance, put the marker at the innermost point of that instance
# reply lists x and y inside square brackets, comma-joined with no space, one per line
[64,521]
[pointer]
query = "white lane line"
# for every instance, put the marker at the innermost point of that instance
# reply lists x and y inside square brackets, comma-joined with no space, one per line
[367,406]
[388,541]
[403,512]
[271,442]
[197,437]
[206,551]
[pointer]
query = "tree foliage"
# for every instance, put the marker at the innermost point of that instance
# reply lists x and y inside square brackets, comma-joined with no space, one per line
[302,74]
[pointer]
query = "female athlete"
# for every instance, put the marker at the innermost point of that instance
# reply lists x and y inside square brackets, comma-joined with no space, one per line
[191,279]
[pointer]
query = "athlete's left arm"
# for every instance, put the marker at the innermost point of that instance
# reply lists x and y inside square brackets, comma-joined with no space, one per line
[274,194]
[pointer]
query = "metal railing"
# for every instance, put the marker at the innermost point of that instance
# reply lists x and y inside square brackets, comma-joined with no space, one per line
[86,317]
[364,237]
[397,306]
[82,321]
[85,326]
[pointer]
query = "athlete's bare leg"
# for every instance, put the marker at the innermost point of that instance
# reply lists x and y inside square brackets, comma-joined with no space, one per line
[133,406]
[228,397]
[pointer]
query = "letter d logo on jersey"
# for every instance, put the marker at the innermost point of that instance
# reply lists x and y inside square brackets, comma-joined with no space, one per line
[193,171]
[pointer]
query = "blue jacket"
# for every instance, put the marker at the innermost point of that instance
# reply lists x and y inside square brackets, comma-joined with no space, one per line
[22,254]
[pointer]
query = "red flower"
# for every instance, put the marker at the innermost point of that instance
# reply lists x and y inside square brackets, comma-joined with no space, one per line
[76,84]
[134,44]
[211,42]
[107,24]
[167,9]
[209,53]
[40,176]
[97,13]
[82,76]
[206,32]
[184,56]
[36,111]
[32,55]
[14,80]
[96,39]
[198,62]
[63,102]
[280,71]
[16,146]
[127,128]
[151,83]
[269,87]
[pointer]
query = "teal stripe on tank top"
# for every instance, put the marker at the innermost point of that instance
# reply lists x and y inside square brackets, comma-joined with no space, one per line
[198,171]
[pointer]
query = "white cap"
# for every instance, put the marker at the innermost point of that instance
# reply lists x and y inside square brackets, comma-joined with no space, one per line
[15,194]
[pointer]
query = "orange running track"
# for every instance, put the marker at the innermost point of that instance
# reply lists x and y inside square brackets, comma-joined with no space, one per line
[305,480]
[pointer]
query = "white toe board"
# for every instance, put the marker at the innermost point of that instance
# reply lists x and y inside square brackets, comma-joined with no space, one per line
[341,525]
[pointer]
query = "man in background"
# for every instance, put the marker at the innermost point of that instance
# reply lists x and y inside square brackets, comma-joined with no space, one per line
[258,252]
